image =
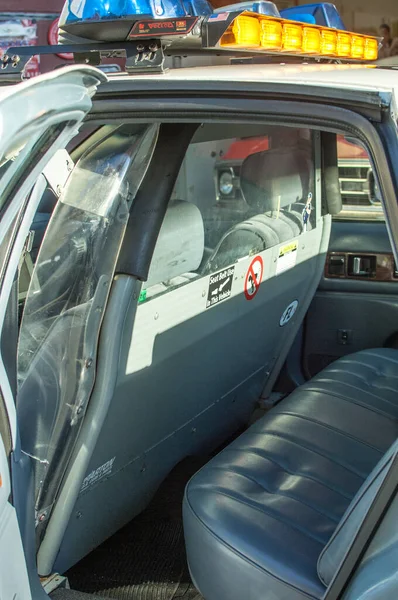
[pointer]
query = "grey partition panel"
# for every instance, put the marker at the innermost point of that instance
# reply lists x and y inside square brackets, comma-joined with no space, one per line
[189,375]
[121,296]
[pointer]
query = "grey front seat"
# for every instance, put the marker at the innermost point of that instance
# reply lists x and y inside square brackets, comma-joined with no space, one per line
[274,184]
[272,515]
[179,248]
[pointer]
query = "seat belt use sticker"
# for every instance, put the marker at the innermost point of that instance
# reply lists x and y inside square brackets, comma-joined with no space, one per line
[220,286]
[254,277]
[287,257]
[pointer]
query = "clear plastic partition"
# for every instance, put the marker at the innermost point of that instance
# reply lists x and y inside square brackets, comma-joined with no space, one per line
[67,297]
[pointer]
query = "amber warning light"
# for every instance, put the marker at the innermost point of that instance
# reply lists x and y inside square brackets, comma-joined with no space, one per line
[260,32]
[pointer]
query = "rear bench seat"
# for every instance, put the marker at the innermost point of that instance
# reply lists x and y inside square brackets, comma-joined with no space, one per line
[271,516]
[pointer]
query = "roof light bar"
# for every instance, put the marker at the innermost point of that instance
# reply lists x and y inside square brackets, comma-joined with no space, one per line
[248,25]
[250,30]
[144,42]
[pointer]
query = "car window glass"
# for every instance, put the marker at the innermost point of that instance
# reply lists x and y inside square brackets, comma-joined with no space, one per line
[359,191]
[241,190]
[16,164]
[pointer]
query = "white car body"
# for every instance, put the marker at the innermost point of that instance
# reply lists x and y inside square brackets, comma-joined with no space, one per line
[28,109]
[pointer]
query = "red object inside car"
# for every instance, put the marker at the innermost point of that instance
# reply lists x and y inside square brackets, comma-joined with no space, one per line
[241,149]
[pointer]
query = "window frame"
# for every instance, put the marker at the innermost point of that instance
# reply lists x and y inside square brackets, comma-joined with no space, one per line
[357,212]
[212,101]
[154,290]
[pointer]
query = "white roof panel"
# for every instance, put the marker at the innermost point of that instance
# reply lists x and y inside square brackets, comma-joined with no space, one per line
[343,76]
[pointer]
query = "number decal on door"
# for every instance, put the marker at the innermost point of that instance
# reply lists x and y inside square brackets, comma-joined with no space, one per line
[288,313]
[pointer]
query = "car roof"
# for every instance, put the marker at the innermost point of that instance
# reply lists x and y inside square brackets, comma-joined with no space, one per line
[344,76]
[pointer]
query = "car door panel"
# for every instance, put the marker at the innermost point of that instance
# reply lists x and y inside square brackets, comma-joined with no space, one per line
[49,110]
[359,236]
[15,584]
[352,311]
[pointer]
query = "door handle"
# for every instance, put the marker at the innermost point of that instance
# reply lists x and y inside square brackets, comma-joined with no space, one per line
[362,265]
[357,262]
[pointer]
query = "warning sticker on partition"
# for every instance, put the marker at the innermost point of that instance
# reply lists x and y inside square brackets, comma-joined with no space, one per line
[254,277]
[287,257]
[220,286]
[97,475]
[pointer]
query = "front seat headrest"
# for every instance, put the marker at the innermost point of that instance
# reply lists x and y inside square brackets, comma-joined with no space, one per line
[180,245]
[273,179]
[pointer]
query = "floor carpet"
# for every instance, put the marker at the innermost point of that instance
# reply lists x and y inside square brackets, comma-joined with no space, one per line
[146,559]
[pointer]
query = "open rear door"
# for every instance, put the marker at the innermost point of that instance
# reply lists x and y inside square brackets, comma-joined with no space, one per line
[13,575]
[37,119]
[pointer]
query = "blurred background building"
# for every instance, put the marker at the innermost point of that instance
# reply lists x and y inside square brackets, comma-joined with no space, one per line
[33,21]
[29,22]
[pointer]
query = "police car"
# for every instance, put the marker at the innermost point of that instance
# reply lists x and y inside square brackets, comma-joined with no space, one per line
[198,389]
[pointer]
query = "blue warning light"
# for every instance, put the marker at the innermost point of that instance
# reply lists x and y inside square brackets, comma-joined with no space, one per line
[321,13]
[99,10]
[261,7]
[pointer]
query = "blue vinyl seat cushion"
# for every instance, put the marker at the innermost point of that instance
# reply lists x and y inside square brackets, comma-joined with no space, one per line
[259,516]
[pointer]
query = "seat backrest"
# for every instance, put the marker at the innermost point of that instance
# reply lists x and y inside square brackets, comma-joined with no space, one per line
[279,181]
[196,350]
[274,179]
[335,550]
[179,248]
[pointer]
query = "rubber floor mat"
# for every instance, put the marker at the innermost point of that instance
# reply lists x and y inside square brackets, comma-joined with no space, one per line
[64,594]
[146,559]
